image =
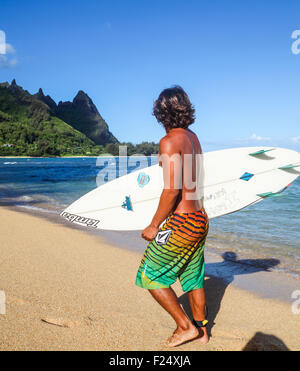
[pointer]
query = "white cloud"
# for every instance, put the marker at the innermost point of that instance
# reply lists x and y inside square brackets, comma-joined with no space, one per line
[253,141]
[10,49]
[259,138]
[7,62]
[7,52]
[296,140]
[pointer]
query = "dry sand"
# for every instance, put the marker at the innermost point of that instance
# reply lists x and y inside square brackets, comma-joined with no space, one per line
[65,290]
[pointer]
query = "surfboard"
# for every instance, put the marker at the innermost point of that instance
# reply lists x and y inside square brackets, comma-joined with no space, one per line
[230,180]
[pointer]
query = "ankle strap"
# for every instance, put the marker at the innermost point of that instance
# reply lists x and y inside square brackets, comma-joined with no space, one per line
[200,323]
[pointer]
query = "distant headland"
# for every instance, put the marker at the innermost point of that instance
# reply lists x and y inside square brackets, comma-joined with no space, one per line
[34,125]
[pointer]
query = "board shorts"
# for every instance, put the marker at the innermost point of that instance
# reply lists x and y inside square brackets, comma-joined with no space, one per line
[177,252]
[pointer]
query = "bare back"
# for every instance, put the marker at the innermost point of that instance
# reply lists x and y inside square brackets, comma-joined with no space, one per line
[185,143]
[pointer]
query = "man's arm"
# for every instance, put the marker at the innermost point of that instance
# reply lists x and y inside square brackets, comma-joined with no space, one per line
[170,161]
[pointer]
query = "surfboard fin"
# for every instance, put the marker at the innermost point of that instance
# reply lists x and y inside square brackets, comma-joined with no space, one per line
[266,194]
[261,152]
[288,167]
[272,194]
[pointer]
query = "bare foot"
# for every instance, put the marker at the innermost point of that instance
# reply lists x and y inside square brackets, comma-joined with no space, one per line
[203,337]
[181,336]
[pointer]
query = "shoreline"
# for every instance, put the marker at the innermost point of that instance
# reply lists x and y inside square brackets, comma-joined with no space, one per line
[104,155]
[245,274]
[17,157]
[66,290]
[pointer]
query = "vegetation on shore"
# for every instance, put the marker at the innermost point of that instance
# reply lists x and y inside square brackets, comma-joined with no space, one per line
[33,125]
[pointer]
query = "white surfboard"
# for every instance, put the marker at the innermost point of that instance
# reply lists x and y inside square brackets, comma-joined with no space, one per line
[230,181]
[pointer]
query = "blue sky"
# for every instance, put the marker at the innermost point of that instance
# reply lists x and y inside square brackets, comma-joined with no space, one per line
[233,57]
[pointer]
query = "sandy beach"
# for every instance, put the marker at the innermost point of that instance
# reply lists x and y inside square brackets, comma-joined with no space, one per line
[67,290]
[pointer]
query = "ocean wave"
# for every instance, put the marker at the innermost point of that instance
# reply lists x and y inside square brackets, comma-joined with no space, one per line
[36,208]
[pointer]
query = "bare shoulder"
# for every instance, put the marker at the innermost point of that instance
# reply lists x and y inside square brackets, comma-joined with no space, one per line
[168,143]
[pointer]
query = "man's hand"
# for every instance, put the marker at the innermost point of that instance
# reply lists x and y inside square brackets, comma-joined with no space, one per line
[150,233]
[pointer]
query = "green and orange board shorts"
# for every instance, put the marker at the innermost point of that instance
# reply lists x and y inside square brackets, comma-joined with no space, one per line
[177,252]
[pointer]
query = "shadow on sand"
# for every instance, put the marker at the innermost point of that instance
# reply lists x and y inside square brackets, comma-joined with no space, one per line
[265,342]
[221,275]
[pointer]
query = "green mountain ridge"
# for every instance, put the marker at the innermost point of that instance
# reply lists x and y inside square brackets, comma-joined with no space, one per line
[34,125]
[81,114]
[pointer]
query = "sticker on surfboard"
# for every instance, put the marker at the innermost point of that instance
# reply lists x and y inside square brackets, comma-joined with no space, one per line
[127,204]
[143,179]
[77,219]
[247,176]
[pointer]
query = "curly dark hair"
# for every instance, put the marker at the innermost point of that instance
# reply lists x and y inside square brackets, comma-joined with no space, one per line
[174,109]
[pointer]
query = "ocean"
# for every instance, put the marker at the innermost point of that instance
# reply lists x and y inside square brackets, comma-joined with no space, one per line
[262,233]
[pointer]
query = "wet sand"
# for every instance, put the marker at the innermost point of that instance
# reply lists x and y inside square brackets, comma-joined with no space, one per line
[69,290]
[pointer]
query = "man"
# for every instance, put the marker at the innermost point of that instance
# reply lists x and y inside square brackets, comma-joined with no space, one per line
[176,249]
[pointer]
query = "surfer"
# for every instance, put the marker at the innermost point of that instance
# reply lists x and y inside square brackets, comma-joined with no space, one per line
[176,248]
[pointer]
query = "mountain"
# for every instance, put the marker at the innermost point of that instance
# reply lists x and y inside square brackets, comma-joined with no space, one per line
[46,99]
[28,126]
[83,115]
[35,125]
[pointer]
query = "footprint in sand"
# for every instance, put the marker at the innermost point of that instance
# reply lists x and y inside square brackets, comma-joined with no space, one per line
[15,300]
[228,335]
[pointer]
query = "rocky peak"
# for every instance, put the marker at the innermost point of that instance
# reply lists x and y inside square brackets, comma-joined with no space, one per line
[14,86]
[40,92]
[45,99]
[84,102]
[83,115]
